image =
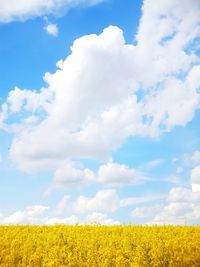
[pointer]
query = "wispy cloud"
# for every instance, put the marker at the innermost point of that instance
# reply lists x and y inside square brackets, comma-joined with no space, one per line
[23,9]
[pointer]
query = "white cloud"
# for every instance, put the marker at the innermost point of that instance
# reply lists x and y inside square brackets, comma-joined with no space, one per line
[30,215]
[175,29]
[28,100]
[82,210]
[177,101]
[91,103]
[105,201]
[174,213]
[179,194]
[35,215]
[100,218]
[81,121]
[196,188]
[51,29]
[25,9]
[94,218]
[68,175]
[89,215]
[116,174]
[195,175]
[72,220]
[146,212]
[183,207]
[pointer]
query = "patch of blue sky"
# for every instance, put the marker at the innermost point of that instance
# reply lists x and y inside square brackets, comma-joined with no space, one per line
[19,189]
[193,47]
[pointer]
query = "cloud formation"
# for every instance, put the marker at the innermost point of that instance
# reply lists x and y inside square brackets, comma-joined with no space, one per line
[112,174]
[25,9]
[99,202]
[31,214]
[107,90]
[182,207]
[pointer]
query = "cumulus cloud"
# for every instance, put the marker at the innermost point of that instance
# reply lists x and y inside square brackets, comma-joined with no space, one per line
[35,215]
[68,176]
[195,188]
[28,100]
[81,113]
[183,203]
[38,214]
[116,174]
[182,208]
[111,174]
[104,201]
[98,203]
[107,90]
[31,214]
[94,218]
[146,212]
[84,205]
[179,194]
[174,213]
[71,220]
[83,210]
[24,9]
[100,218]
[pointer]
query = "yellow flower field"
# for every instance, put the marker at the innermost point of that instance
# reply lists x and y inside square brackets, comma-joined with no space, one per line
[105,246]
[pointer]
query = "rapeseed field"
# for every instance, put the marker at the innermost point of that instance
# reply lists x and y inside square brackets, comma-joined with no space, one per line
[100,246]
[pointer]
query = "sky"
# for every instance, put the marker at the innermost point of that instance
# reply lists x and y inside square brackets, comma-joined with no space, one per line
[99,112]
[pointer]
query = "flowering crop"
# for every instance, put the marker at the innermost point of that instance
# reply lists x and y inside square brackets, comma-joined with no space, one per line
[100,246]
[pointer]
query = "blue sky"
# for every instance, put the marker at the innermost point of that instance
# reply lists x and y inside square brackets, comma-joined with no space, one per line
[99,112]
